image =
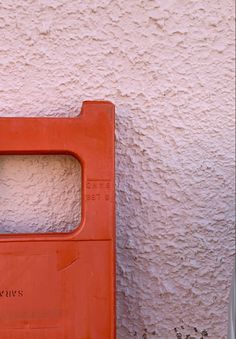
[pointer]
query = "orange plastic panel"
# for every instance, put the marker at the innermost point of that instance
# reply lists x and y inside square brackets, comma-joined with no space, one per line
[62,285]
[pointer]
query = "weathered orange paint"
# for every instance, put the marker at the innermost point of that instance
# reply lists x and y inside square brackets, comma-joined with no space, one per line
[62,285]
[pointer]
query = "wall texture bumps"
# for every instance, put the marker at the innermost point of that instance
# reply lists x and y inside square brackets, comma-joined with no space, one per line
[168,66]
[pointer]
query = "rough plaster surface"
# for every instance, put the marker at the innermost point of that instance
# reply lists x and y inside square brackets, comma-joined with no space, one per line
[39,193]
[168,66]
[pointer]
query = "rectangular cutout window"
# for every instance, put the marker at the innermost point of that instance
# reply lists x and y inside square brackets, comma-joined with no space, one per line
[39,193]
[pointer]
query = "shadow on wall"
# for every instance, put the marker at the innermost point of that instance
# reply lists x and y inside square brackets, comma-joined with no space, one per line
[130,231]
[147,254]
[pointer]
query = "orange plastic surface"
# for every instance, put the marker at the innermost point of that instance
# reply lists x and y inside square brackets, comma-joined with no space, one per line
[62,285]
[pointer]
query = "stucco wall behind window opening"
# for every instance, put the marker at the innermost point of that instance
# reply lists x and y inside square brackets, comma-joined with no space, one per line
[39,193]
[168,65]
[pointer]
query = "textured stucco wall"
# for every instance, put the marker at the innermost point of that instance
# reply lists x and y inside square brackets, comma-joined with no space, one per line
[168,67]
[39,193]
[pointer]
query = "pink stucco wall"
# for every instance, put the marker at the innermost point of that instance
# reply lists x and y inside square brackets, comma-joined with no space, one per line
[168,66]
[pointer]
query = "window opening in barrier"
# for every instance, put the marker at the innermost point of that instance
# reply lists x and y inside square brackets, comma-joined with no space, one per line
[39,193]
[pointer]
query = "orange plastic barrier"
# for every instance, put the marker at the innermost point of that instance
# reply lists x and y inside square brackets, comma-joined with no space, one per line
[62,285]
